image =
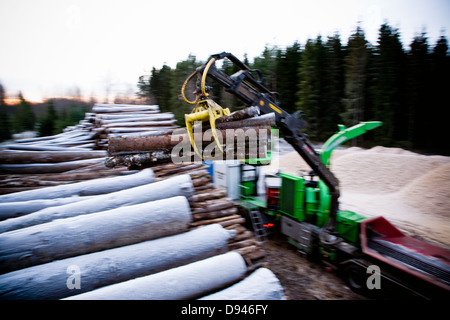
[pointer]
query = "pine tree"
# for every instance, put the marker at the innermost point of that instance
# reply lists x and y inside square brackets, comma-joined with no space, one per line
[334,83]
[47,126]
[173,86]
[288,62]
[418,92]
[24,118]
[439,103]
[355,78]
[309,88]
[387,87]
[267,64]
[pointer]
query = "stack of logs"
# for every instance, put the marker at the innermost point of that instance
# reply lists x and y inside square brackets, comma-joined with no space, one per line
[38,162]
[210,205]
[103,239]
[26,170]
[242,134]
[117,120]
[54,161]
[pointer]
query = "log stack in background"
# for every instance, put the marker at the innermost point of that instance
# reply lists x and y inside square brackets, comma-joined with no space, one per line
[64,213]
[79,151]
[242,134]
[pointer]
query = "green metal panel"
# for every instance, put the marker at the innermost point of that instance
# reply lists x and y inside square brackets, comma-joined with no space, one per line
[345,134]
[323,213]
[347,225]
[292,195]
[248,188]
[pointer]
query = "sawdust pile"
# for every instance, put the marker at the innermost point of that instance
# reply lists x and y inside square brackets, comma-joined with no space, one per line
[409,189]
[380,171]
[430,192]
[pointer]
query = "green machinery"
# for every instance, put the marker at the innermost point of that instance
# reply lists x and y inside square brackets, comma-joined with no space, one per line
[301,198]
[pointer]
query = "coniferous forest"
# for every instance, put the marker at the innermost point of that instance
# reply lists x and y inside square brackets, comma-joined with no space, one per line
[406,86]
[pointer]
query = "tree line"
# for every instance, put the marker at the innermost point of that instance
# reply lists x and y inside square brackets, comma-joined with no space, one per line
[47,118]
[332,83]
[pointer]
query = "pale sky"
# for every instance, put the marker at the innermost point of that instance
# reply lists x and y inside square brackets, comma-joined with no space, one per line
[50,47]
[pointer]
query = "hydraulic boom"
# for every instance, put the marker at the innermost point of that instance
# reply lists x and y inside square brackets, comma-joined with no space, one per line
[248,88]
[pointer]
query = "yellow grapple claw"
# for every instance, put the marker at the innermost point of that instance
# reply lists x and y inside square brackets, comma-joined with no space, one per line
[205,110]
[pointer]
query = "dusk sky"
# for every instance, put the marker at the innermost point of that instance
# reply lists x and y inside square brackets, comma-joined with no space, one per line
[51,47]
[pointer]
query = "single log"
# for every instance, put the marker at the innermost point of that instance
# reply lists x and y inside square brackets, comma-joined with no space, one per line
[214,214]
[85,188]
[260,285]
[240,115]
[242,244]
[47,167]
[209,203]
[93,232]
[70,134]
[112,108]
[72,176]
[148,158]
[216,220]
[218,193]
[147,123]
[237,227]
[136,129]
[33,147]
[172,168]
[244,236]
[232,222]
[179,137]
[218,205]
[175,186]
[16,209]
[208,186]
[99,269]
[186,282]
[111,118]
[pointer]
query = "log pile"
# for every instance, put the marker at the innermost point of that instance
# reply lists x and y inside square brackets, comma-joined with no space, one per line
[100,241]
[121,119]
[113,226]
[79,151]
[241,135]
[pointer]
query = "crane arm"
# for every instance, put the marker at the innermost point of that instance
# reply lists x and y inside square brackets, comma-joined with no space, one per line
[252,92]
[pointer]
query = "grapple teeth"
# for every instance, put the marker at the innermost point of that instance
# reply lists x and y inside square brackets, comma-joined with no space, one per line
[205,110]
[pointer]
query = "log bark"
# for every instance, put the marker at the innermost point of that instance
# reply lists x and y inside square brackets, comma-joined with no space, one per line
[220,204]
[111,118]
[148,123]
[186,282]
[49,156]
[148,158]
[242,244]
[215,214]
[175,186]
[111,108]
[84,188]
[260,285]
[47,167]
[99,269]
[93,232]
[218,193]
[10,210]
[141,144]
[232,222]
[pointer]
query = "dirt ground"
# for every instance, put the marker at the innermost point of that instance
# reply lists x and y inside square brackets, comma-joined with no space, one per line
[303,279]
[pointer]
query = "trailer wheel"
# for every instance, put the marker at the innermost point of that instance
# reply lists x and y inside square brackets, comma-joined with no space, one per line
[355,278]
